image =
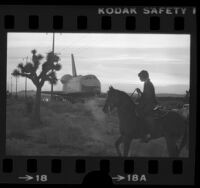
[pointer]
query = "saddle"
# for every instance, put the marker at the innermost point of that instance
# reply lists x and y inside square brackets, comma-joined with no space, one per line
[157,113]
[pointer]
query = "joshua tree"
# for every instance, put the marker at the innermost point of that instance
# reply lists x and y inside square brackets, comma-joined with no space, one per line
[187,96]
[16,75]
[47,72]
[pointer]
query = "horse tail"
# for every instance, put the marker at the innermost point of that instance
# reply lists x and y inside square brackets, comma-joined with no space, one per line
[184,140]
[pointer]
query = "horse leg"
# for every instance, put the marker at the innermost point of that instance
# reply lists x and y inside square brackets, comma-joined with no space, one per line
[172,147]
[117,145]
[127,142]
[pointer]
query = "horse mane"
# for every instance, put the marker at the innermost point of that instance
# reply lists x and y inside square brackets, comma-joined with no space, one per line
[126,97]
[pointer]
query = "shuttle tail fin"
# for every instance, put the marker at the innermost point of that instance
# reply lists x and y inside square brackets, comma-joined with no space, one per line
[73,66]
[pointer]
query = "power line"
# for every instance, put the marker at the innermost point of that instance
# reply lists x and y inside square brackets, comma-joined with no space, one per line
[80,39]
[11,85]
[53,46]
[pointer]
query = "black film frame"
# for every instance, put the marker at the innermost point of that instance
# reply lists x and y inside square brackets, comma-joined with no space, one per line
[84,19]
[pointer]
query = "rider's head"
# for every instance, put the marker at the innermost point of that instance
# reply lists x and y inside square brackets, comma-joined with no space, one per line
[143,75]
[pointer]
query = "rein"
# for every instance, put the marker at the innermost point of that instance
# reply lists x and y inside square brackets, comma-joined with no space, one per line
[133,93]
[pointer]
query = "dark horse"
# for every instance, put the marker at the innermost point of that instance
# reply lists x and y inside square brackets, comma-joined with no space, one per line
[171,126]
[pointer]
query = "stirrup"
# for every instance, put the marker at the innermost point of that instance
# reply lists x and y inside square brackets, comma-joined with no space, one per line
[157,108]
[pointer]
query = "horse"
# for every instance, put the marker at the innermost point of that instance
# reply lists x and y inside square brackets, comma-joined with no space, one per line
[171,126]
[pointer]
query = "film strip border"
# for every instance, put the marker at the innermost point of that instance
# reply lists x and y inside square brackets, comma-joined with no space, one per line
[73,171]
[155,23]
[87,19]
[94,19]
[80,166]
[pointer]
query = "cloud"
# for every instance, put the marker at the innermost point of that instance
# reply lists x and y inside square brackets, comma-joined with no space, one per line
[113,58]
[134,60]
[98,40]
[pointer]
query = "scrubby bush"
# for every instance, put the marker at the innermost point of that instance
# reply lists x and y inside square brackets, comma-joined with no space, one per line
[65,129]
[29,105]
[17,146]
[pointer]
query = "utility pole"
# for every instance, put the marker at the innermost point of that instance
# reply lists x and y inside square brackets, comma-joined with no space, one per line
[26,82]
[11,85]
[25,87]
[16,88]
[53,45]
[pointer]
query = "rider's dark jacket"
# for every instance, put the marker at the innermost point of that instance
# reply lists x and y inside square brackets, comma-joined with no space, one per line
[148,98]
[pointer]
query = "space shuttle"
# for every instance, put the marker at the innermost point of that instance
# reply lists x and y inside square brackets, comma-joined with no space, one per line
[77,85]
[80,83]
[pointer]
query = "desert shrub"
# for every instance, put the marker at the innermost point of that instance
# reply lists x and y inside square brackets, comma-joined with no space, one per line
[59,107]
[66,129]
[72,136]
[57,130]
[17,135]
[29,103]
[99,148]
[17,146]
[52,136]
[86,113]
[15,108]
[58,136]
[28,148]
[37,136]
[171,104]
[17,127]
[63,107]
[46,113]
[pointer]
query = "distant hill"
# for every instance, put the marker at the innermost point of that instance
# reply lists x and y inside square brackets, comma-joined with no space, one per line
[169,95]
[29,93]
[33,92]
[164,95]
[158,95]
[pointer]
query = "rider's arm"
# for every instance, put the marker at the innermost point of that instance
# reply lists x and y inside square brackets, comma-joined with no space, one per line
[139,92]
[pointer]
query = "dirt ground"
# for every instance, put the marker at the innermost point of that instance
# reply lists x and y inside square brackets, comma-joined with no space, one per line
[80,129]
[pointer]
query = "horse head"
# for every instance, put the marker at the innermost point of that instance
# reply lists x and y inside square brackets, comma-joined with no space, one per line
[111,101]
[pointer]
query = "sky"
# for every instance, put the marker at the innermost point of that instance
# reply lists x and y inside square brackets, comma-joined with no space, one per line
[116,59]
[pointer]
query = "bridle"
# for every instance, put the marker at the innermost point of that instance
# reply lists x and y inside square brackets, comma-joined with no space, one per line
[133,93]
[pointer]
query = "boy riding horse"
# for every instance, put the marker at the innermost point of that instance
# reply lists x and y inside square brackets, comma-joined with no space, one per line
[146,104]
